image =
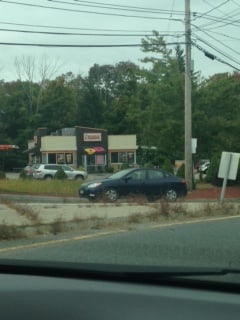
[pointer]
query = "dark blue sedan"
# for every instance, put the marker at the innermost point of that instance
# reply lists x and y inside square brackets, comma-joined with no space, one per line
[149,182]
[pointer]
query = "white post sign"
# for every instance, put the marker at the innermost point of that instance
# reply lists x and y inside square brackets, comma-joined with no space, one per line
[223,168]
[228,169]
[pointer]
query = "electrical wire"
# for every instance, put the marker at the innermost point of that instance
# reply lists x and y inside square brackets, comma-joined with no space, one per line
[226,18]
[214,8]
[75,34]
[86,29]
[121,7]
[213,57]
[218,41]
[218,50]
[78,45]
[88,12]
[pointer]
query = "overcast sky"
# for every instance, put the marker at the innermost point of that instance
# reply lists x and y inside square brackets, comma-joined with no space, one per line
[215,29]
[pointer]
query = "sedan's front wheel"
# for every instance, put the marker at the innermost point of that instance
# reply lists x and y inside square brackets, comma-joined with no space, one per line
[171,195]
[111,194]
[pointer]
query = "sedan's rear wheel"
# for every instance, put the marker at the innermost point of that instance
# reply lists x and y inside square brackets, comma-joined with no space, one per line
[111,194]
[171,195]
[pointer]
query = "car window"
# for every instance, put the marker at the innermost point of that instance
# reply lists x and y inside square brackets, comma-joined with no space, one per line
[66,168]
[155,174]
[51,167]
[137,175]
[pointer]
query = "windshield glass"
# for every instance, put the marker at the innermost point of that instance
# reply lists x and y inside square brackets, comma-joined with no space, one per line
[92,91]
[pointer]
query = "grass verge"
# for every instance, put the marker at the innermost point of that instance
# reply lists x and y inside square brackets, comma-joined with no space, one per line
[40,187]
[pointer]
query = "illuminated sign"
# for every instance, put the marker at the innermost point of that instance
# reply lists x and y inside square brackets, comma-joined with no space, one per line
[92,136]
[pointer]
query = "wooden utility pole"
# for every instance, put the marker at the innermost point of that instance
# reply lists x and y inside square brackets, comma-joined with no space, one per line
[188,100]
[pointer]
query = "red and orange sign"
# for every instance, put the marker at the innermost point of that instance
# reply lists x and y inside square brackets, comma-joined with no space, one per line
[8,146]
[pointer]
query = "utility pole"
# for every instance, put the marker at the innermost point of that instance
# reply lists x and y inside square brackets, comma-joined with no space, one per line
[188,100]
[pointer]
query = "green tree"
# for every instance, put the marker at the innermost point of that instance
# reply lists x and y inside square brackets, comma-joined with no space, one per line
[59,105]
[216,116]
[163,116]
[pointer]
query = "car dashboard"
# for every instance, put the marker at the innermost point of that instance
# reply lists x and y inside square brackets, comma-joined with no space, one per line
[33,295]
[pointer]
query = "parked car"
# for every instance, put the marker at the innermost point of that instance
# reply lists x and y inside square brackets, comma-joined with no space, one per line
[28,169]
[152,183]
[47,171]
[203,168]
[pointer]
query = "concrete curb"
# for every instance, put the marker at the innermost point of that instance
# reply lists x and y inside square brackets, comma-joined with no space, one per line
[31,219]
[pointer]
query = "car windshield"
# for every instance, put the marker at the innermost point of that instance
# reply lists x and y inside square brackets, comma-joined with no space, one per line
[148,90]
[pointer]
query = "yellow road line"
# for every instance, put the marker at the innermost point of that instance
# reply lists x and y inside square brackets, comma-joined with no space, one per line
[59,241]
[193,221]
[102,234]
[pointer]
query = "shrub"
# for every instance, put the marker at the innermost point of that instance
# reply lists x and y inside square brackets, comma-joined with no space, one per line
[23,174]
[212,173]
[181,171]
[60,174]
[124,166]
[2,175]
[110,169]
[167,166]
[148,165]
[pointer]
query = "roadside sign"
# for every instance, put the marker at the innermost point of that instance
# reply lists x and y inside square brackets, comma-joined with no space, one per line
[229,169]
[194,145]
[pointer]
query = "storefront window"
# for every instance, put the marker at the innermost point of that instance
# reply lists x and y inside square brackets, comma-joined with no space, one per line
[59,158]
[130,157]
[122,157]
[52,158]
[91,160]
[96,160]
[68,158]
[100,160]
[114,157]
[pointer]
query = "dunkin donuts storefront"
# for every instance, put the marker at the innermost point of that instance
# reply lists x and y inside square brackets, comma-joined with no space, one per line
[91,148]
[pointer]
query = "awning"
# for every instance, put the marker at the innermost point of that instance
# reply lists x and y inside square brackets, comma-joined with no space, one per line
[99,149]
[90,151]
[8,146]
[93,150]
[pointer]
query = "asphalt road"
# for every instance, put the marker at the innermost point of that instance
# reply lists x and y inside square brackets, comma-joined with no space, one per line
[213,243]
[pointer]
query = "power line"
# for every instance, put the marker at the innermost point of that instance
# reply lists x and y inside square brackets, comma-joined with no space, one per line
[70,28]
[217,40]
[88,12]
[119,7]
[74,33]
[86,29]
[218,50]
[213,57]
[77,45]
[226,35]
[86,34]
[226,19]
[214,8]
